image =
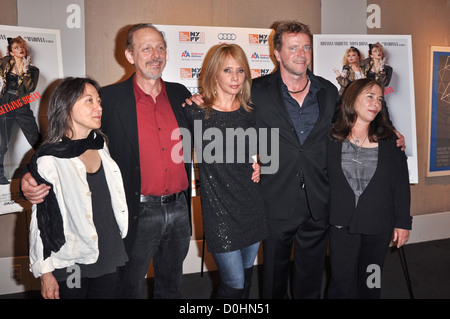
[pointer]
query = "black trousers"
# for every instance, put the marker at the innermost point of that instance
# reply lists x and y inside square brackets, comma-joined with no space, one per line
[25,118]
[356,263]
[309,238]
[27,122]
[102,287]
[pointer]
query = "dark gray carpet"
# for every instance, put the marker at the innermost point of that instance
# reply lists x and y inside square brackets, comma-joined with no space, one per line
[428,264]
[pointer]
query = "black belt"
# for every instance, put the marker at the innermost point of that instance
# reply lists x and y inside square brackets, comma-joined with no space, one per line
[163,200]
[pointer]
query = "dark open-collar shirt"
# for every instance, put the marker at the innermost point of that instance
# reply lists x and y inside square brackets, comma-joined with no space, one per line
[305,116]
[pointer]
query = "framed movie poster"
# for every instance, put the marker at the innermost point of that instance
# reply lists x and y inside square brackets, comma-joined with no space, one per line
[344,58]
[439,132]
[30,61]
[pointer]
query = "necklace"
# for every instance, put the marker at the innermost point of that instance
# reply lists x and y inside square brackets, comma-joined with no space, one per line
[295,92]
[357,148]
[357,138]
[17,69]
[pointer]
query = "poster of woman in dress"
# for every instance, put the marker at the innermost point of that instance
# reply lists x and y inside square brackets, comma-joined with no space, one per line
[30,60]
[342,59]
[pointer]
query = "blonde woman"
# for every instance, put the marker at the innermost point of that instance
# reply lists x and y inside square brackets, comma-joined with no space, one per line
[351,69]
[232,208]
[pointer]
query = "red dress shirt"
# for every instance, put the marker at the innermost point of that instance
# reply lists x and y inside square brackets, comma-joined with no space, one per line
[160,175]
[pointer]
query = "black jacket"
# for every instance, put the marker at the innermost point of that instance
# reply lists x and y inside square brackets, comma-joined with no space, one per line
[119,123]
[384,204]
[281,189]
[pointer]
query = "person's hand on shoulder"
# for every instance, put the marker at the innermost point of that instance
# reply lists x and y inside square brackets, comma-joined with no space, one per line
[400,141]
[196,98]
[33,192]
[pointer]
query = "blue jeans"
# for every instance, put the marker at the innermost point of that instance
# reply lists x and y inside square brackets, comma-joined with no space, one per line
[163,234]
[231,265]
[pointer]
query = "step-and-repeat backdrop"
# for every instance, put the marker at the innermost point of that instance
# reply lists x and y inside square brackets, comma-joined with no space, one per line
[189,45]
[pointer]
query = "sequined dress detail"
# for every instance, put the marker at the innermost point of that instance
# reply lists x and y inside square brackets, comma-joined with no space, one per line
[232,207]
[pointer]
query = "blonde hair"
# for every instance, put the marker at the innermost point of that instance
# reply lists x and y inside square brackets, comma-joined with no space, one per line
[351,49]
[212,68]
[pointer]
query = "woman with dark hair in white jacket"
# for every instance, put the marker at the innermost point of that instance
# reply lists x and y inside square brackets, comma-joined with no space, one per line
[76,245]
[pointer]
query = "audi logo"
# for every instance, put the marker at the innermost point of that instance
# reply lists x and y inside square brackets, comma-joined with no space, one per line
[226,36]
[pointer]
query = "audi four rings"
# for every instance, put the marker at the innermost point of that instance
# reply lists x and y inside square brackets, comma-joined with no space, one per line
[226,36]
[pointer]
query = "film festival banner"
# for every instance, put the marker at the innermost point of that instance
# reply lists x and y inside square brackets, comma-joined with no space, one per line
[331,62]
[20,93]
[188,46]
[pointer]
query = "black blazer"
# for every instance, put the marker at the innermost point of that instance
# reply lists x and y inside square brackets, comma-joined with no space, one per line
[281,189]
[119,123]
[385,203]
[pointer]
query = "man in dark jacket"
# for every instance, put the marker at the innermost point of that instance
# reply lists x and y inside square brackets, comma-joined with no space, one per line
[139,116]
[301,105]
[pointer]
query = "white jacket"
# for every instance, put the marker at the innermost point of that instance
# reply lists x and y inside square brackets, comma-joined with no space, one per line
[68,177]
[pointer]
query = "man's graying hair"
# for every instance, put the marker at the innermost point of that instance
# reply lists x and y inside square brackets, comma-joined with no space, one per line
[129,44]
[289,27]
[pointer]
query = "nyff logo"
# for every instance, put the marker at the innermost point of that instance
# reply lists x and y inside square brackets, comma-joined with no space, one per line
[258,38]
[190,73]
[256,73]
[187,36]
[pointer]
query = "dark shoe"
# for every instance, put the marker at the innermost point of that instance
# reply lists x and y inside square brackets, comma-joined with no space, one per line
[227,292]
[248,273]
[3,180]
